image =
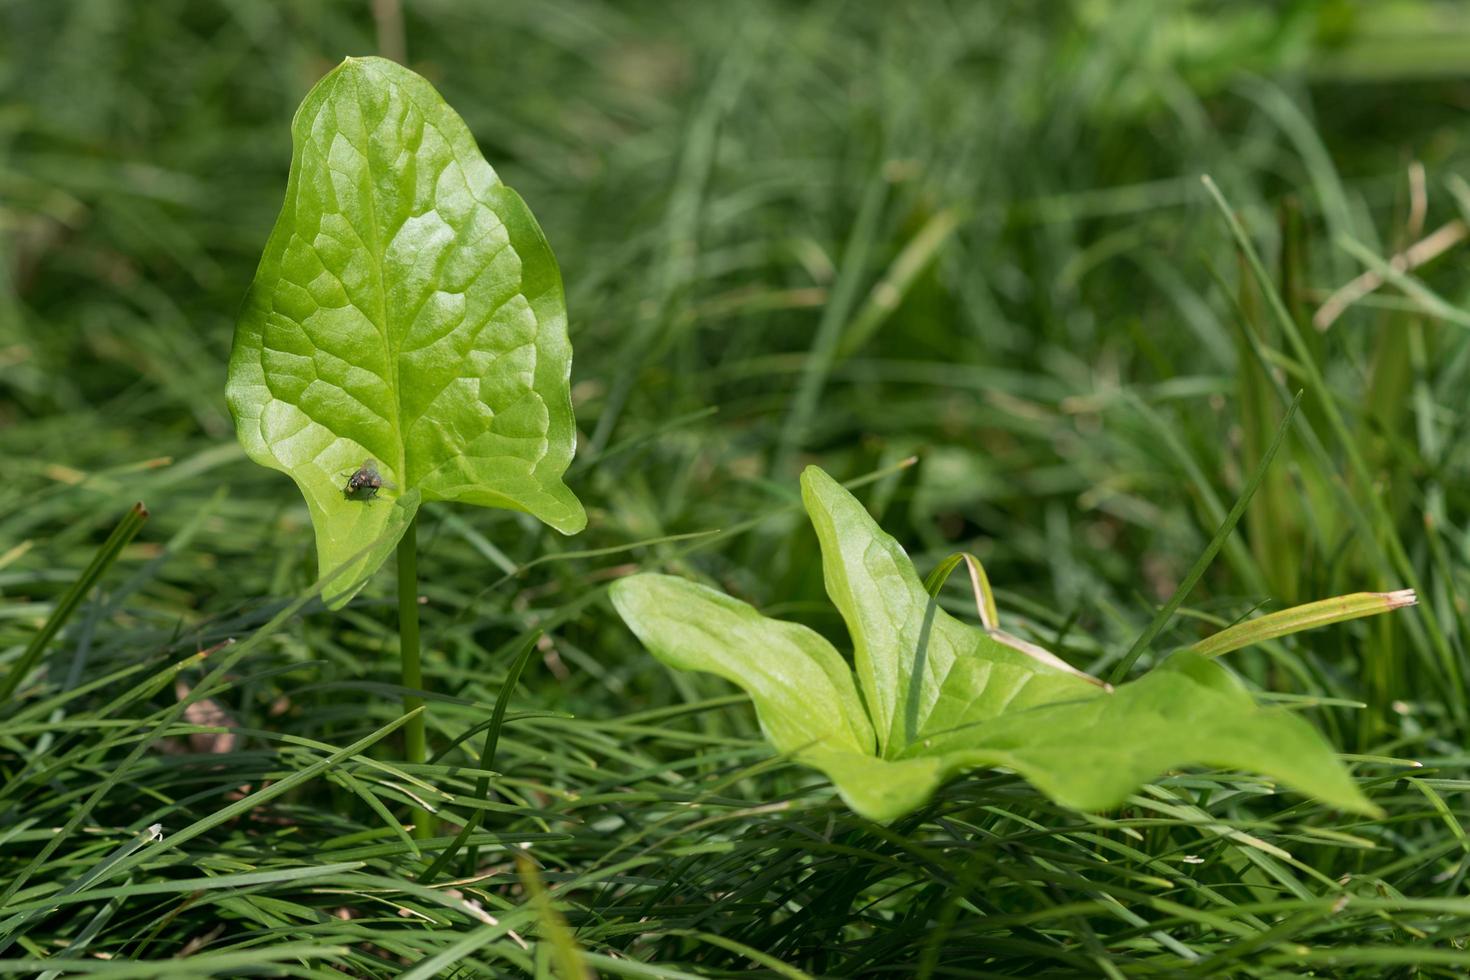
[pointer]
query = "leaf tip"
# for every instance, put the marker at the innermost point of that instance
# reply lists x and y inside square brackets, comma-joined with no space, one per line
[1399,598]
[628,595]
[814,474]
[363,61]
[575,521]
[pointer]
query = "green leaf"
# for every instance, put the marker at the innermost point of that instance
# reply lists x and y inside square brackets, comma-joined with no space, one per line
[978,689]
[408,310]
[1091,754]
[802,688]
[880,789]
[984,703]
[884,603]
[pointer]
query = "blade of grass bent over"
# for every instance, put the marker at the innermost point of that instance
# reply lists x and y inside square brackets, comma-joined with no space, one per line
[988,612]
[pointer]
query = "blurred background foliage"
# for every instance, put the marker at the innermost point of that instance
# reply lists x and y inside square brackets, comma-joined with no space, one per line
[835,232]
[847,232]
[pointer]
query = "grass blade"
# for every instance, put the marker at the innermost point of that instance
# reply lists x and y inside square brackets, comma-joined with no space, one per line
[126,530]
[1203,561]
[1308,616]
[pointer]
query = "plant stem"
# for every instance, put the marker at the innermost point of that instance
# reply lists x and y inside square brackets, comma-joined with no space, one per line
[487,761]
[415,743]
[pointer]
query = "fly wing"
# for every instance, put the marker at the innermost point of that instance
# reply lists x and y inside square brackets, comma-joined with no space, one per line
[370,467]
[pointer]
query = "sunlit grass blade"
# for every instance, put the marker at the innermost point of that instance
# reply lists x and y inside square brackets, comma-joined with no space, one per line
[890,290]
[1311,615]
[570,962]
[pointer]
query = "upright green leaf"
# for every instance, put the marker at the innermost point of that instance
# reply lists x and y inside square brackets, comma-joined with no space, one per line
[408,310]
[880,596]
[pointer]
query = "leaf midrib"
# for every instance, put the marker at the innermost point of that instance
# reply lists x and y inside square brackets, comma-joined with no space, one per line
[396,416]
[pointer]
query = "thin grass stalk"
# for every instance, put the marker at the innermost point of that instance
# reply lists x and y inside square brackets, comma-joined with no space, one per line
[1203,562]
[415,742]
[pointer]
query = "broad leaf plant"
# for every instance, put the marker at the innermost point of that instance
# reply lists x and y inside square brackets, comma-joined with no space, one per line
[935,696]
[404,340]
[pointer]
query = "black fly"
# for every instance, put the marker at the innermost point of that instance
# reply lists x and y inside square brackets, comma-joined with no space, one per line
[365,483]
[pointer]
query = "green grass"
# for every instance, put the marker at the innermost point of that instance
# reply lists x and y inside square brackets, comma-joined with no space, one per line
[840,233]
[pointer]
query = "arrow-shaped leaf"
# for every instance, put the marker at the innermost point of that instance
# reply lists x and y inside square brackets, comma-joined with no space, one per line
[983,703]
[407,310]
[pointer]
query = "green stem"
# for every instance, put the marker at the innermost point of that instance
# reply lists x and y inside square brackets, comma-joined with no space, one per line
[487,762]
[415,742]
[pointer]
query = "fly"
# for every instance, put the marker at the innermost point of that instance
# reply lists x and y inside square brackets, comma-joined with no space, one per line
[364,484]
